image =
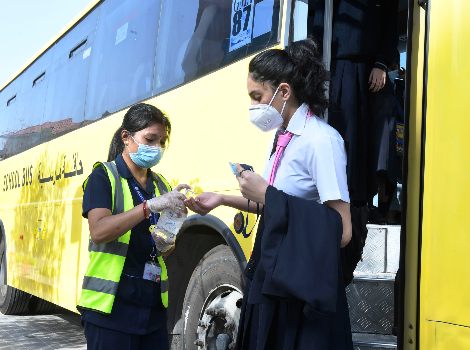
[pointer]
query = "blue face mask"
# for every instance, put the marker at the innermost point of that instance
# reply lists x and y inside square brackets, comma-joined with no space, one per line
[146,156]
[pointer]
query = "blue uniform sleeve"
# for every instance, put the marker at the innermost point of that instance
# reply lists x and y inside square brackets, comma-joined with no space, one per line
[97,192]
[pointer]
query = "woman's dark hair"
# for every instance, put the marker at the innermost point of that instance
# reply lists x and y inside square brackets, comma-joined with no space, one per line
[300,66]
[138,117]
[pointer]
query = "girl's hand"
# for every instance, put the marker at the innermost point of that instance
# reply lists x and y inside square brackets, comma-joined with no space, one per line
[377,79]
[252,185]
[204,203]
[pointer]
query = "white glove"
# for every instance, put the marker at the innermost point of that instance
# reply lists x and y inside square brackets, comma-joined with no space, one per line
[173,200]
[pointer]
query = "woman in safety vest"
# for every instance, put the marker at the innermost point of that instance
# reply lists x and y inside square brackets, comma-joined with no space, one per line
[307,167]
[125,289]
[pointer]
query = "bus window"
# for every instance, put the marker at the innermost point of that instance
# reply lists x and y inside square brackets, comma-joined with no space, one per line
[9,113]
[24,117]
[123,56]
[68,75]
[209,41]
[196,38]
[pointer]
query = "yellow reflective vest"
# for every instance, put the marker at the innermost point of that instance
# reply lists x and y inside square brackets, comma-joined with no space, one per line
[104,270]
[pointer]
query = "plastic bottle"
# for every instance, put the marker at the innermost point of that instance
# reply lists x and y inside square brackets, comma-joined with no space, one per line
[167,228]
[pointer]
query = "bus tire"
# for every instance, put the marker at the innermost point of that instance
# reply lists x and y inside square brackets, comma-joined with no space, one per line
[12,301]
[40,306]
[217,274]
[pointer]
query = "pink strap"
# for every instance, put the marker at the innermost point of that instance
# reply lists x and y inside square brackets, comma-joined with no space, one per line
[282,142]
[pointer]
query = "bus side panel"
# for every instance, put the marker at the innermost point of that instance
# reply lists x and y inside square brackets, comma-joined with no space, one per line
[445,285]
[41,209]
[447,336]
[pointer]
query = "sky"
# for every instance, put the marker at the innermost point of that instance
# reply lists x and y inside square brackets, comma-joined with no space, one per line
[26,26]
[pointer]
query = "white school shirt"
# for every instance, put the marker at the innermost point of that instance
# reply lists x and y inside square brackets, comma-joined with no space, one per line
[313,165]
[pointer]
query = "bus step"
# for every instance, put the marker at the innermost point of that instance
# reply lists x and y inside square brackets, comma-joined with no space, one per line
[371,304]
[366,341]
[371,294]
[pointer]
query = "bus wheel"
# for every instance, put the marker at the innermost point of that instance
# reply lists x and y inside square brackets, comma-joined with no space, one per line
[212,303]
[12,300]
[40,306]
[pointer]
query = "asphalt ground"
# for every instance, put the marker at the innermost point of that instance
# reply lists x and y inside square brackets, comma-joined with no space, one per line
[35,332]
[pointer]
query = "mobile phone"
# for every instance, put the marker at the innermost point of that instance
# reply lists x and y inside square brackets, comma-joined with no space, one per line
[233,166]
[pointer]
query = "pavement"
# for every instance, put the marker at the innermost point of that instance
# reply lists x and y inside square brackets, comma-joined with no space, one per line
[41,332]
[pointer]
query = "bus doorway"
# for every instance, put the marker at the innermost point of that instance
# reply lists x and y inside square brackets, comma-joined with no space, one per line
[375,144]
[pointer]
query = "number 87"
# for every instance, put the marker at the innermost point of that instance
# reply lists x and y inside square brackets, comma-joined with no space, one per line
[237,20]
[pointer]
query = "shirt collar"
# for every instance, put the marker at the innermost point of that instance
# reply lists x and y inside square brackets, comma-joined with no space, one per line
[298,121]
[122,168]
[124,172]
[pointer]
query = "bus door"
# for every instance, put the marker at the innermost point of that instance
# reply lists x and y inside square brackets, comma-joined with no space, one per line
[444,284]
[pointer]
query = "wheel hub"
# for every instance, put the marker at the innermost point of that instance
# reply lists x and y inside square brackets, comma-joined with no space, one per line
[218,320]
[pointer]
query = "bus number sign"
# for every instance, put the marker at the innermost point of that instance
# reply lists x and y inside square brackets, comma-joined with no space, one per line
[242,23]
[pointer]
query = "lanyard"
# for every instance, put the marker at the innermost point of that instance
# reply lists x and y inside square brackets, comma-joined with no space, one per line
[281,144]
[153,216]
[281,141]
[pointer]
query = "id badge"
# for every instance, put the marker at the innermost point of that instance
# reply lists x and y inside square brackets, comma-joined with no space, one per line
[152,272]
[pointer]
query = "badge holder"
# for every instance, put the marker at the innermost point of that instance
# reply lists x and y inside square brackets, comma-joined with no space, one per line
[152,270]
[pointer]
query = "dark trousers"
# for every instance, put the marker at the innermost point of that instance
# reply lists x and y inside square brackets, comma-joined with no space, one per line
[366,121]
[99,338]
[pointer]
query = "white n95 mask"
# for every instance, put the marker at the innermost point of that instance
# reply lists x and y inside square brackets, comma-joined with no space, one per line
[265,116]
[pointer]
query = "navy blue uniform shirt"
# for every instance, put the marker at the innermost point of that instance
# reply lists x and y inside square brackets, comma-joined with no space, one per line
[138,308]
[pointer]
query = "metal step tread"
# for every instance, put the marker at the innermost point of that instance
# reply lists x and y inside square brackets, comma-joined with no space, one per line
[374,277]
[374,341]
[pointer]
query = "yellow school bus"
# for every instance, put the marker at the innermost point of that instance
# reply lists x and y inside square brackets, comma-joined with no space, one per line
[436,283]
[190,58]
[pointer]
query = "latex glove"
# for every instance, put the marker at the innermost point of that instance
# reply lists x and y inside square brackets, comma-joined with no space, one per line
[173,200]
[252,185]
